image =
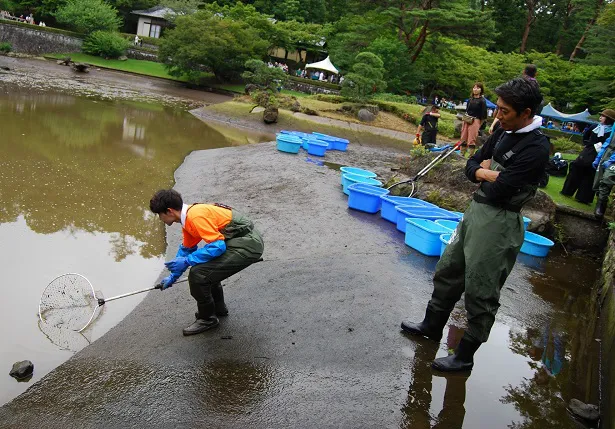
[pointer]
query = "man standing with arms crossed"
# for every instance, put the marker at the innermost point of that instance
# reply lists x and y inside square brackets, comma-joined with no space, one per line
[485,245]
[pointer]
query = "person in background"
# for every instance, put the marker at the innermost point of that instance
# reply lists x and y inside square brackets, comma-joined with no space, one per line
[581,174]
[484,247]
[604,179]
[477,110]
[429,126]
[232,243]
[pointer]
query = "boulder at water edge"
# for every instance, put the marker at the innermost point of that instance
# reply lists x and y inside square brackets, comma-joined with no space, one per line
[270,115]
[22,370]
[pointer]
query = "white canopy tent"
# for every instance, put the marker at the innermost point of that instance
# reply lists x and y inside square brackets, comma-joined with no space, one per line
[323,65]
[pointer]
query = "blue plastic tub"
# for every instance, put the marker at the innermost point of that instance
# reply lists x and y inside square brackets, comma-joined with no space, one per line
[358,172]
[536,245]
[459,215]
[389,202]
[449,224]
[288,143]
[429,213]
[423,235]
[444,240]
[316,147]
[526,222]
[365,198]
[295,133]
[349,179]
[335,143]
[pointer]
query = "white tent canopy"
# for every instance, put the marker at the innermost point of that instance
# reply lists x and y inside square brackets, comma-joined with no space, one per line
[323,65]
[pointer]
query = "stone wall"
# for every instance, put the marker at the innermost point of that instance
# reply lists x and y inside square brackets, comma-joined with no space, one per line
[606,299]
[35,41]
[136,54]
[308,88]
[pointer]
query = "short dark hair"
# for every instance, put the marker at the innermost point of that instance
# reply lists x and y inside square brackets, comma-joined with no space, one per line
[434,107]
[530,70]
[166,199]
[521,94]
[480,85]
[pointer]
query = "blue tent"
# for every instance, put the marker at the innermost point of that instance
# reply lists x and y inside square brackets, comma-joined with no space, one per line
[549,112]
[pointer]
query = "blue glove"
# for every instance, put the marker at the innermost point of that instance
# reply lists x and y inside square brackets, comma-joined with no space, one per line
[607,164]
[168,281]
[178,265]
[185,251]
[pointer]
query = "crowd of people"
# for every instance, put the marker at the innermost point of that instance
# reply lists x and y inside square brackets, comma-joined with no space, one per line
[28,19]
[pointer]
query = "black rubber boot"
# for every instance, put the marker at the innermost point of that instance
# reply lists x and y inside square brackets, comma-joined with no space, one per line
[431,326]
[201,325]
[461,360]
[600,209]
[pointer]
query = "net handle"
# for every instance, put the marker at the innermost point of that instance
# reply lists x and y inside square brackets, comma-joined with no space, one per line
[101,301]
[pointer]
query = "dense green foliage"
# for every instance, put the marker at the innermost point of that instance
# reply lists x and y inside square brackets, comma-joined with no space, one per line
[428,48]
[365,80]
[87,16]
[258,73]
[5,47]
[105,44]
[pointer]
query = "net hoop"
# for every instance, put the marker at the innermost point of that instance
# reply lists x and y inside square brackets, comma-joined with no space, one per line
[90,290]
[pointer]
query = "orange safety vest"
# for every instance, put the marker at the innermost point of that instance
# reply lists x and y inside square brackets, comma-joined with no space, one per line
[204,222]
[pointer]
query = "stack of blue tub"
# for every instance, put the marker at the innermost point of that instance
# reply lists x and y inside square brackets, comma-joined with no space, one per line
[335,143]
[365,198]
[288,143]
[352,175]
[421,212]
[389,202]
[423,235]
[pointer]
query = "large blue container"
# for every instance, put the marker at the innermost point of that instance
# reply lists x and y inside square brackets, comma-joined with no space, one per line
[335,143]
[430,213]
[536,245]
[316,147]
[444,240]
[296,133]
[349,179]
[389,202]
[424,235]
[358,172]
[450,224]
[365,198]
[288,143]
[459,215]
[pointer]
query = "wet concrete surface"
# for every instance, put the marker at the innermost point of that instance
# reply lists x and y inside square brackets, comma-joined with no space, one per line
[312,339]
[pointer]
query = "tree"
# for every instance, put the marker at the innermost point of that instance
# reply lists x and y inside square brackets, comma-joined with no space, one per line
[598,8]
[86,16]
[207,41]
[600,47]
[258,73]
[365,80]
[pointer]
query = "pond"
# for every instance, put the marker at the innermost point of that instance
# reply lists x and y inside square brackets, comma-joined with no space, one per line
[76,176]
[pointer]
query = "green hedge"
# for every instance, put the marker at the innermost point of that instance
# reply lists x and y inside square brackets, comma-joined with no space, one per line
[557,134]
[47,29]
[148,40]
[315,82]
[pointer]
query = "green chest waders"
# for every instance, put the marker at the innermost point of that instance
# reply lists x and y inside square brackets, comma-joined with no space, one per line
[479,258]
[601,170]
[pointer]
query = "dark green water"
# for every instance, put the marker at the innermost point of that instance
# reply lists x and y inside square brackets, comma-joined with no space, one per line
[76,176]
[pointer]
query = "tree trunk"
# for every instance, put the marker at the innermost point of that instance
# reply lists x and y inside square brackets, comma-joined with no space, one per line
[590,24]
[420,42]
[531,4]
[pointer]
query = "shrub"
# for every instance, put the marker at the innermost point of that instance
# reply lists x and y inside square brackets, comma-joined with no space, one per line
[330,98]
[397,98]
[5,47]
[258,73]
[566,146]
[87,16]
[105,44]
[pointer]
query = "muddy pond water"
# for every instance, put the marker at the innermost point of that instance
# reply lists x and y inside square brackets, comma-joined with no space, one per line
[76,176]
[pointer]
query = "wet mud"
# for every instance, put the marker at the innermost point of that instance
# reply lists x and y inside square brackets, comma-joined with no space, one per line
[313,338]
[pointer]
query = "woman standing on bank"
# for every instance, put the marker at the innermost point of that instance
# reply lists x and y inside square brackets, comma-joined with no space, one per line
[476,113]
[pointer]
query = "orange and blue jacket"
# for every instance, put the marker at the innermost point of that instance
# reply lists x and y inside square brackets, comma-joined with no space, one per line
[203,222]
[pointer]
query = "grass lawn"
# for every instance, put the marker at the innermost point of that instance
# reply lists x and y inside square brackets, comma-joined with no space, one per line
[147,68]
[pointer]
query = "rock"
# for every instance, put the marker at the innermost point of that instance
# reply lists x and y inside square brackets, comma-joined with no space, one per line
[22,370]
[584,411]
[374,109]
[250,87]
[366,116]
[258,109]
[309,111]
[541,209]
[123,58]
[296,106]
[80,67]
[270,115]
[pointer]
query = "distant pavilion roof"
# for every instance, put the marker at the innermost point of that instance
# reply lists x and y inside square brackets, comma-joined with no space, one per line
[155,12]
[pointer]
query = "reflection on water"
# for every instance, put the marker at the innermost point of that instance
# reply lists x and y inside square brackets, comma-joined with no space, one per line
[522,376]
[76,176]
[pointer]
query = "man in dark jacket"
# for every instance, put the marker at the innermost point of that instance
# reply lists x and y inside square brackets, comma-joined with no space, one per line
[485,245]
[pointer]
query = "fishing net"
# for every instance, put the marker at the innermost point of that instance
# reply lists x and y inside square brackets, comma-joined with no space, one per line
[68,302]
